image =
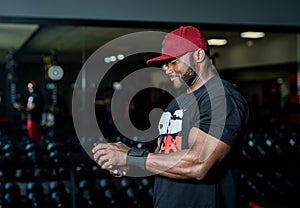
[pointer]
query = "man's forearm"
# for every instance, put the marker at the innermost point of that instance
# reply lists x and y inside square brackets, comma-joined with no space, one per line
[177,165]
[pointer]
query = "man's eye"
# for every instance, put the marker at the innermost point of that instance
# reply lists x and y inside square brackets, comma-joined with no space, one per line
[173,62]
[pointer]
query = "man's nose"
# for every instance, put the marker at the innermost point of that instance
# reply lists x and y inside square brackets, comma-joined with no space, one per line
[168,70]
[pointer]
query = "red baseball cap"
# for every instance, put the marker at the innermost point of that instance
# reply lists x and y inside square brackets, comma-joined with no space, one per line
[34,84]
[178,42]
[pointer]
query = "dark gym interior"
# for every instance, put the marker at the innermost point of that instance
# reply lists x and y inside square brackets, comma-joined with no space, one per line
[58,172]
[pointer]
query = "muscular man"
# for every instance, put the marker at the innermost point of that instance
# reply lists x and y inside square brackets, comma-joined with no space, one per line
[195,163]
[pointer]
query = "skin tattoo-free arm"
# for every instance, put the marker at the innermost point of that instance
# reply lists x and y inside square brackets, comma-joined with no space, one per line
[204,152]
[195,162]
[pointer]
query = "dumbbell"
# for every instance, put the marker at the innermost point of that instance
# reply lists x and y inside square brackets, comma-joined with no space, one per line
[34,153]
[138,193]
[133,197]
[11,161]
[58,194]
[107,192]
[146,187]
[58,160]
[87,194]
[11,196]
[35,195]
[111,197]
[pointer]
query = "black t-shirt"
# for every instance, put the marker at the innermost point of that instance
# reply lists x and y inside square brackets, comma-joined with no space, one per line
[218,109]
[36,113]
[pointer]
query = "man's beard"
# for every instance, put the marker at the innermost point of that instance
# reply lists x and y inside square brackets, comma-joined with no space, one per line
[190,74]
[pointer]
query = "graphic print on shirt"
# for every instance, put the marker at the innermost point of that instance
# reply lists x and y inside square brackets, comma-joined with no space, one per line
[170,125]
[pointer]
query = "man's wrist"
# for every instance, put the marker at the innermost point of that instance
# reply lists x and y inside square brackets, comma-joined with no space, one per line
[137,157]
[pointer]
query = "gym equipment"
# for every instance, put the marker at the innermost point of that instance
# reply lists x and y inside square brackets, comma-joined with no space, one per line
[58,195]
[88,195]
[11,161]
[12,196]
[34,153]
[58,160]
[35,195]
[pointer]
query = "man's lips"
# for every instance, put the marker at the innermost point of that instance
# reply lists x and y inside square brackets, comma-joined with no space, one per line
[173,77]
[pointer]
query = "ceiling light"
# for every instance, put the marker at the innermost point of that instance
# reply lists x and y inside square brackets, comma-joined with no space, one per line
[113,58]
[252,35]
[120,57]
[217,42]
[107,60]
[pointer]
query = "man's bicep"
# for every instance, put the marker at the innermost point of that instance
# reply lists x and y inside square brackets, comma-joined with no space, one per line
[207,146]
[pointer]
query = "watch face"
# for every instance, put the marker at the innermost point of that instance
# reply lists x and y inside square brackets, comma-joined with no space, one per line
[55,72]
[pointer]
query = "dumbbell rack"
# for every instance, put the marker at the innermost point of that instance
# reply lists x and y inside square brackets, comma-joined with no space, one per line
[269,172]
[54,175]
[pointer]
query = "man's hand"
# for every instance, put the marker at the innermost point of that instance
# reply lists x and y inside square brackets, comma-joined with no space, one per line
[110,155]
[17,106]
[119,172]
[30,106]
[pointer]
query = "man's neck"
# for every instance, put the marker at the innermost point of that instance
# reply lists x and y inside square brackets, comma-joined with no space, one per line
[202,78]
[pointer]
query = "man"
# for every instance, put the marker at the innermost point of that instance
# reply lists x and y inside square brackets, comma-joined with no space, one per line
[200,131]
[34,110]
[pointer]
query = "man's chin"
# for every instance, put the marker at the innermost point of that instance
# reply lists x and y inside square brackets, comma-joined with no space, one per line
[176,84]
[179,85]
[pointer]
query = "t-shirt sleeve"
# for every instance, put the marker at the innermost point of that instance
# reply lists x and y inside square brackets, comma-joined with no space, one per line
[221,117]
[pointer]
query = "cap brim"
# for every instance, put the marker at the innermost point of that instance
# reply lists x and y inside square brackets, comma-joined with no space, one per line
[157,61]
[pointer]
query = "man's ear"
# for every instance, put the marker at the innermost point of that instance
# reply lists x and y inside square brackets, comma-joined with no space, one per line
[199,55]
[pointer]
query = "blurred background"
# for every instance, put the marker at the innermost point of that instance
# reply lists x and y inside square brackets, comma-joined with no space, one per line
[251,46]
